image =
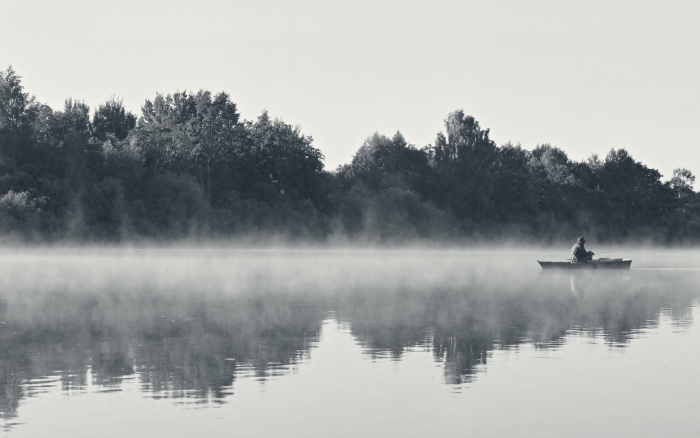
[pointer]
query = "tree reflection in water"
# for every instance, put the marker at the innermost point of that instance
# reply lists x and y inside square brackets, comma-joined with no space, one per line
[461,326]
[194,344]
[178,345]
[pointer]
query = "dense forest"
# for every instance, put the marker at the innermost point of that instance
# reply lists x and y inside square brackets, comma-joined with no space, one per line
[190,168]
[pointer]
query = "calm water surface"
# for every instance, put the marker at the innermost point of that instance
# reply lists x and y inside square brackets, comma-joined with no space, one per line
[345,343]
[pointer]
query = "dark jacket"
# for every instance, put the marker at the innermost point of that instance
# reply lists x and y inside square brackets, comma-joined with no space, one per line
[579,253]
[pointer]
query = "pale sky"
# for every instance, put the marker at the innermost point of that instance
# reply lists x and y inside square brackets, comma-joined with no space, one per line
[586,76]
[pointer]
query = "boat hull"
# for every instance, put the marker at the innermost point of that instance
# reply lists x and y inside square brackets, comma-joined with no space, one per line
[609,264]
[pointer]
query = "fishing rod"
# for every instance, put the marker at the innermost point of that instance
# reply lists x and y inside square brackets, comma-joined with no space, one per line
[607,252]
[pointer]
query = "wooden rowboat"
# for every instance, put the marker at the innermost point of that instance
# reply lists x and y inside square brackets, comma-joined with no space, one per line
[593,264]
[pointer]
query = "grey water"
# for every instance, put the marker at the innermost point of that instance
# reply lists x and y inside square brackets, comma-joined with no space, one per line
[345,343]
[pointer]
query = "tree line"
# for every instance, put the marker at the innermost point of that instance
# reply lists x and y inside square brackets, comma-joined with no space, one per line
[190,167]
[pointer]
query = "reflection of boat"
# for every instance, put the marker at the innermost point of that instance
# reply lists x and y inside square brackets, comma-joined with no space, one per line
[593,264]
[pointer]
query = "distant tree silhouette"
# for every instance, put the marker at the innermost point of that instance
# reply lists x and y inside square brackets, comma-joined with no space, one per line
[682,181]
[189,166]
[112,118]
[464,160]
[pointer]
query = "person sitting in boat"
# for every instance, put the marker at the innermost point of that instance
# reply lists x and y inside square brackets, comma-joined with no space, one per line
[579,253]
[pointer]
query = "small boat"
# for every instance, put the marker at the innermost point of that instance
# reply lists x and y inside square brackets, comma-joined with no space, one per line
[593,264]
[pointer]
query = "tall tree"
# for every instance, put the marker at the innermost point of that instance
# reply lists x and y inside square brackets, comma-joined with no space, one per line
[159,130]
[464,160]
[281,160]
[512,180]
[379,154]
[635,191]
[553,164]
[682,181]
[18,111]
[190,132]
[112,118]
[211,132]
[70,138]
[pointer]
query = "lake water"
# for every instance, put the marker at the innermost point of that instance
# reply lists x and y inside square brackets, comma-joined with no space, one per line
[345,343]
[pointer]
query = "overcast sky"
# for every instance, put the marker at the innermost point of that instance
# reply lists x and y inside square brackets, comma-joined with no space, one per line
[586,76]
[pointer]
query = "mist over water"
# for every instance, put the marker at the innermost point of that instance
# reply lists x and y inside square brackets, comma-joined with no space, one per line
[245,331]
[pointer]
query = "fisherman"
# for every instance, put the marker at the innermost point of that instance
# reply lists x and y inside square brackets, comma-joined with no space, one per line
[579,253]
